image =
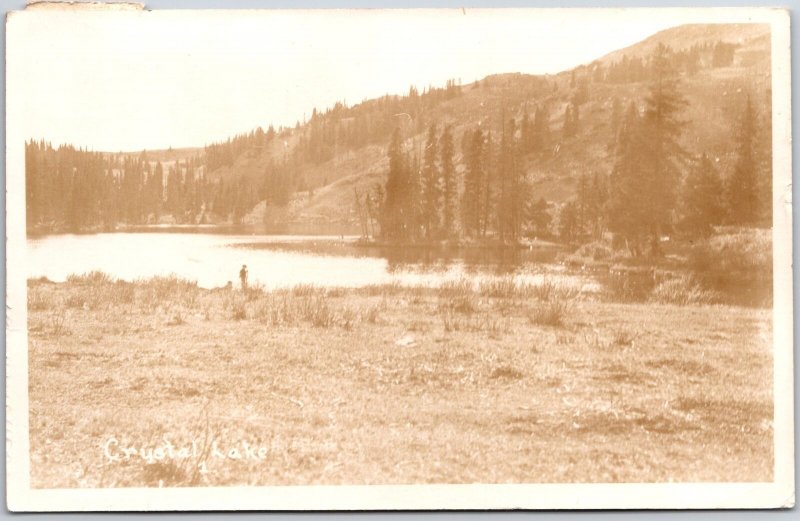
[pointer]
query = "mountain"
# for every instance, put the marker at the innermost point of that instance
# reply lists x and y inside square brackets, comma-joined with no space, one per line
[721,65]
[564,126]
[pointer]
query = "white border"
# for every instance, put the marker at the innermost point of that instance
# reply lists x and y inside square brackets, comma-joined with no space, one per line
[400,497]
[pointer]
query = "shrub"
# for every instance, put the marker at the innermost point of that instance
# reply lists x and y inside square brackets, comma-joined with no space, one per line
[597,250]
[550,312]
[629,286]
[681,290]
[745,252]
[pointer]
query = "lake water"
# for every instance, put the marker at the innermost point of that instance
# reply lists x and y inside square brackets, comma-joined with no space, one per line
[280,260]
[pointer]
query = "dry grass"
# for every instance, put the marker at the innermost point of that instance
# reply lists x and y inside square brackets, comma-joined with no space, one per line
[681,290]
[382,385]
[550,312]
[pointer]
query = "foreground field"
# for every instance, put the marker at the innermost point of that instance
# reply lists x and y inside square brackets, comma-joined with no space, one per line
[162,383]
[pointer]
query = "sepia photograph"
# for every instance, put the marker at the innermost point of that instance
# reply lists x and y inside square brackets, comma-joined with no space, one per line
[398,258]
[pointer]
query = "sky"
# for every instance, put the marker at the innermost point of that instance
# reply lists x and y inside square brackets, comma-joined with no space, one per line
[150,80]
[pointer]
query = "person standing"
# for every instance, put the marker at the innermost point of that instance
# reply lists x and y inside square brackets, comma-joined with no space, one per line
[243,276]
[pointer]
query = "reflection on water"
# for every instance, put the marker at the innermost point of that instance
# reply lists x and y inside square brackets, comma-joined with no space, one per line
[279,261]
[212,260]
[498,260]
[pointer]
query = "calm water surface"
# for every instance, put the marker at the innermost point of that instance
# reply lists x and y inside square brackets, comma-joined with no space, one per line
[277,261]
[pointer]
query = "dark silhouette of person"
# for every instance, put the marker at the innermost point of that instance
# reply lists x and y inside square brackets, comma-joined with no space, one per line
[243,276]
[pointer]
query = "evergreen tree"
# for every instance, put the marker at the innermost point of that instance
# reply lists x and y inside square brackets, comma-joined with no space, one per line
[395,218]
[627,209]
[568,222]
[743,186]
[449,186]
[663,157]
[703,205]
[473,153]
[538,219]
[567,128]
[513,189]
[431,189]
[488,188]
[541,128]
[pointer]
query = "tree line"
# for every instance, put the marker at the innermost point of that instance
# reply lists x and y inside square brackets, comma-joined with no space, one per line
[426,196]
[655,187]
[76,189]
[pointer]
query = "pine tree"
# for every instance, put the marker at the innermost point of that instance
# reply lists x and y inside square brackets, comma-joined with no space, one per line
[743,187]
[541,128]
[473,182]
[615,121]
[568,222]
[702,201]
[396,217]
[627,208]
[449,186]
[513,188]
[567,128]
[663,158]
[538,219]
[488,188]
[526,132]
[431,190]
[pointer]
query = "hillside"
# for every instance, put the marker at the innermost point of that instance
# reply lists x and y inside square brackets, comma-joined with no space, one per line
[308,175]
[715,94]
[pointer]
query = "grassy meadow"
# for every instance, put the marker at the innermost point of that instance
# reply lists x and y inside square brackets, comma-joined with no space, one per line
[159,382]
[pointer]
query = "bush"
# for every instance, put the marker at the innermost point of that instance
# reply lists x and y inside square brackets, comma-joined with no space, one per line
[550,313]
[629,286]
[745,252]
[597,250]
[737,264]
[681,290]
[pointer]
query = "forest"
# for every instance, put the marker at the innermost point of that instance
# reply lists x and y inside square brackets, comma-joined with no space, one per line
[449,177]
[656,187]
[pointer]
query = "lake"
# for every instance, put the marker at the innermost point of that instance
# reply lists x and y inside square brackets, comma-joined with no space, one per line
[275,261]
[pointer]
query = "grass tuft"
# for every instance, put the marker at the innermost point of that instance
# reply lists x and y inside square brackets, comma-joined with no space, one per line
[682,290]
[90,278]
[551,312]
